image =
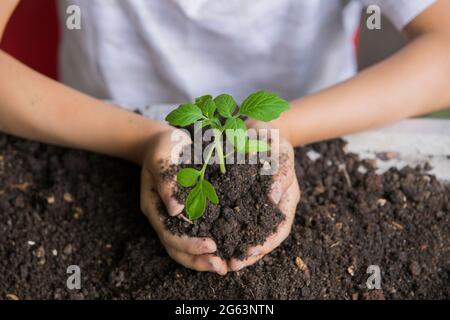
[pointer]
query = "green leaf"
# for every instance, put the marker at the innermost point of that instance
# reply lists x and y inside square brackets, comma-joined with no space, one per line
[207,105]
[215,123]
[256,146]
[187,177]
[264,106]
[200,100]
[209,108]
[208,189]
[195,202]
[206,122]
[184,115]
[225,105]
[236,132]
[234,124]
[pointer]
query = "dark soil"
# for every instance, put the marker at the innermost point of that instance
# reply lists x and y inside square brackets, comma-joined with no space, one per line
[244,216]
[62,207]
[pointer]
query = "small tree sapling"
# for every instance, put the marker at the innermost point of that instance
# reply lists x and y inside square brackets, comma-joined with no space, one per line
[261,105]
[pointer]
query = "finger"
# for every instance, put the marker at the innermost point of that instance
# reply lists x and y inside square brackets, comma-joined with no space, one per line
[166,185]
[236,265]
[205,262]
[282,154]
[150,205]
[284,176]
[190,245]
[288,205]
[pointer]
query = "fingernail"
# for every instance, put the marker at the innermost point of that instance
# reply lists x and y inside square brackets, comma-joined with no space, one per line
[222,273]
[208,247]
[215,265]
[254,252]
[174,207]
[277,197]
[239,267]
[275,194]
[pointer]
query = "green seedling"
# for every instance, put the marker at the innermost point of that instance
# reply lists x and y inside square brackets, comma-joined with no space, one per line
[223,117]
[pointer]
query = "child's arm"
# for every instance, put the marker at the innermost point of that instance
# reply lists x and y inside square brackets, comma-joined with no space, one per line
[414,81]
[36,107]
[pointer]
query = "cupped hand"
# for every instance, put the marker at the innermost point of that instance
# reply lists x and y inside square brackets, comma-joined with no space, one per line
[285,193]
[157,188]
[199,253]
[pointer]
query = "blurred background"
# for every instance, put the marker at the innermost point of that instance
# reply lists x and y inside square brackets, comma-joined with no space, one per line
[376,45]
[38,46]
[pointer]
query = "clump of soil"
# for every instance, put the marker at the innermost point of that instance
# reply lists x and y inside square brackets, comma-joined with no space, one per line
[244,216]
[62,207]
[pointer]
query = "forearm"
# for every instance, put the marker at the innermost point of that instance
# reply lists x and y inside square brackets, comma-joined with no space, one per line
[412,82]
[36,107]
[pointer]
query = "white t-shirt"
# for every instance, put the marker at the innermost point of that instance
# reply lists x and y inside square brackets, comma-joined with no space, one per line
[154,54]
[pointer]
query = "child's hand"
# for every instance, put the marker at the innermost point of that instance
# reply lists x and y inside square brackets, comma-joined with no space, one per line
[285,193]
[193,253]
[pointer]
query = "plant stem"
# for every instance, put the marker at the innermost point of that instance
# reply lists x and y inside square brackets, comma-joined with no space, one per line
[229,154]
[205,164]
[217,135]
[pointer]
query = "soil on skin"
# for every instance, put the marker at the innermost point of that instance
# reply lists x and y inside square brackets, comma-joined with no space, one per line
[243,218]
[62,207]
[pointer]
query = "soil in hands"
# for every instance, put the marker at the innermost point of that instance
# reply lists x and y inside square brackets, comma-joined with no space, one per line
[244,216]
[61,207]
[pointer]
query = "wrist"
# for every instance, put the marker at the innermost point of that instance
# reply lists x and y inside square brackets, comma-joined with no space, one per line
[147,136]
[153,142]
[277,124]
[282,126]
